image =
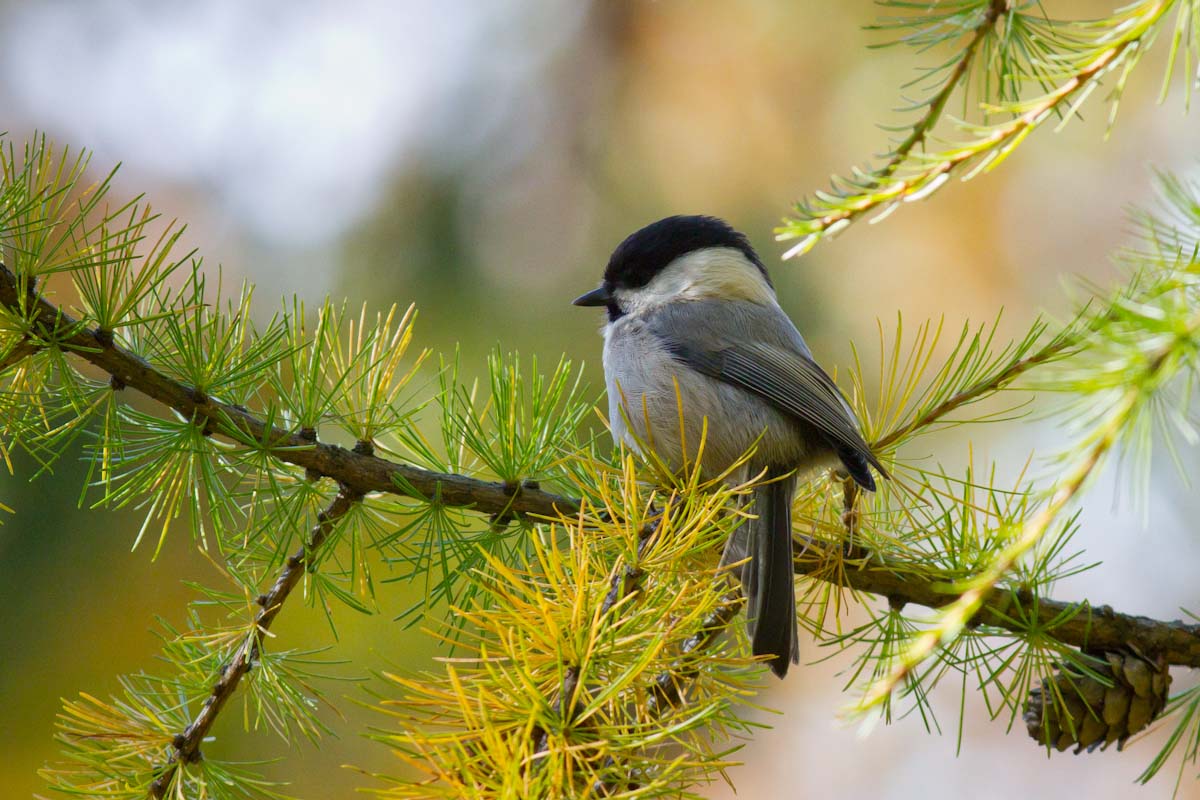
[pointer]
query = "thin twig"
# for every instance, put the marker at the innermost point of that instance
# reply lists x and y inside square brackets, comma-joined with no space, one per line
[1048,352]
[625,581]
[187,744]
[937,103]
[669,686]
[1000,137]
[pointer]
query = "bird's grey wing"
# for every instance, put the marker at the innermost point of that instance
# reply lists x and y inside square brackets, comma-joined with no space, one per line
[777,370]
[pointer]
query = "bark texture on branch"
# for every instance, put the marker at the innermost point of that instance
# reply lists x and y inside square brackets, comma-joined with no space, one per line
[187,744]
[359,471]
[1095,627]
[1084,625]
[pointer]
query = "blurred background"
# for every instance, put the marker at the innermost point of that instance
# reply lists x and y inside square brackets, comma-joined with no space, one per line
[481,160]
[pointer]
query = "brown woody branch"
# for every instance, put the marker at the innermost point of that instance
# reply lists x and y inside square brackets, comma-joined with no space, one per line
[359,471]
[19,352]
[1081,624]
[669,687]
[1078,624]
[187,744]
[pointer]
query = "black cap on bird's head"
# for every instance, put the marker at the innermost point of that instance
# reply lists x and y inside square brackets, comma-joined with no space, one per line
[646,252]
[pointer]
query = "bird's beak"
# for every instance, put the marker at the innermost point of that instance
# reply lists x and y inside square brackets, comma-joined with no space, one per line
[596,297]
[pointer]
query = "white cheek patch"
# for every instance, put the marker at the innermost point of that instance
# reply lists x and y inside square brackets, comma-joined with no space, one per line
[720,272]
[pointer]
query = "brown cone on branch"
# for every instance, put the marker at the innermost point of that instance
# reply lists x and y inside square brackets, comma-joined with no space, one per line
[1074,708]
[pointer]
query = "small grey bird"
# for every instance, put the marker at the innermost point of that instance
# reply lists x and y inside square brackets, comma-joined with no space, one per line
[690,304]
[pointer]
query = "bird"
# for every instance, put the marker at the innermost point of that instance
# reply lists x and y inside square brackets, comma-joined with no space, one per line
[696,345]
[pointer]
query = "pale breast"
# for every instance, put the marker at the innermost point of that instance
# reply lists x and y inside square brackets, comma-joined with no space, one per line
[664,404]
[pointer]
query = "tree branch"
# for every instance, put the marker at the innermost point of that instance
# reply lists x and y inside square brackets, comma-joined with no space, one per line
[831,212]
[1080,624]
[670,686]
[1084,625]
[361,472]
[19,352]
[936,104]
[187,744]
[1048,352]
[356,471]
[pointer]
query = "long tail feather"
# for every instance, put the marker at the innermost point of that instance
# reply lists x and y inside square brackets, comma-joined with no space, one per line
[768,579]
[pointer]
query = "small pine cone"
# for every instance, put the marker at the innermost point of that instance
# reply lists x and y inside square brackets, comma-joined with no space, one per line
[1098,715]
